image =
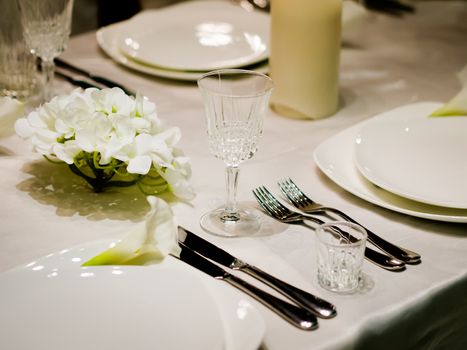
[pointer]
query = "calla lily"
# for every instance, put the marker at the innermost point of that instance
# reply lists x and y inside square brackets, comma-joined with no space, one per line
[150,242]
[457,106]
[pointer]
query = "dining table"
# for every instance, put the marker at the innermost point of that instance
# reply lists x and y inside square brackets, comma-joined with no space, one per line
[385,62]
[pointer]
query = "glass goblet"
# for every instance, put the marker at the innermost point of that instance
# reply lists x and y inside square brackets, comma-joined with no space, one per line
[47,27]
[235,102]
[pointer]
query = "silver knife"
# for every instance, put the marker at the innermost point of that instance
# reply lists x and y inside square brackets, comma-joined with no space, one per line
[312,303]
[295,315]
[74,81]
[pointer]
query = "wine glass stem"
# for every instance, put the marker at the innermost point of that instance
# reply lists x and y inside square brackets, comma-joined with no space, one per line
[231,212]
[48,68]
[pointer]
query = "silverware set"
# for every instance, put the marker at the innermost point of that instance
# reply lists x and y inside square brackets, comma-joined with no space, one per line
[302,202]
[303,310]
[394,257]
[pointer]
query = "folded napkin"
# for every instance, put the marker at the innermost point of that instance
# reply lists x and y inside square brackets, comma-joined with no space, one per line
[10,110]
[149,242]
[457,106]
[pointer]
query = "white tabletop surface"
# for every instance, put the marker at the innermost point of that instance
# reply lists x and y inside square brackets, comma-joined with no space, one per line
[386,62]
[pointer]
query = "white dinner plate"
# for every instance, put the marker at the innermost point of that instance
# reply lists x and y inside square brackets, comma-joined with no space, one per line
[108,37]
[53,303]
[197,36]
[108,40]
[335,157]
[416,156]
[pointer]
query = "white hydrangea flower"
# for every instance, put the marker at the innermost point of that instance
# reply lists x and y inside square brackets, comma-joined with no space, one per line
[67,151]
[112,101]
[116,127]
[177,175]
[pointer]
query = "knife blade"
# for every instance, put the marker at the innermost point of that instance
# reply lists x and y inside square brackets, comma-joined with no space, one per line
[97,78]
[295,315]
[312,303]
[77,82]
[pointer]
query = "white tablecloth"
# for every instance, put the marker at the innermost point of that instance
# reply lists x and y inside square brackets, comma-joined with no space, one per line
[386,62]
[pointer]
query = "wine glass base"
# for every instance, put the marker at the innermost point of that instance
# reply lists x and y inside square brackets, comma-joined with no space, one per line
[248,224]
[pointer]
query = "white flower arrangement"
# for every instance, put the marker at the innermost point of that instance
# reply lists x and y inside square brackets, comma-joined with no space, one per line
[110,139]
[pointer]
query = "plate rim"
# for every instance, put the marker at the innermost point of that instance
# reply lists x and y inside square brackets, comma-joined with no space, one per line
[199,8]
[111,50]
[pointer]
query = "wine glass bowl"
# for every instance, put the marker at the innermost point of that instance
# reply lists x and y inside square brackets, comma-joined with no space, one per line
[235,103]
[47,27]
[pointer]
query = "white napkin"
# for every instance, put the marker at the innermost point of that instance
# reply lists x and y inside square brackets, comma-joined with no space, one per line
[457,106]
[10,110]
[149,242]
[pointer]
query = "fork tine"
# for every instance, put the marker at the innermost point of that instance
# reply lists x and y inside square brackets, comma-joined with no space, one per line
[303,197]
[289,193]
[269,202]
[263,202]
[283,210]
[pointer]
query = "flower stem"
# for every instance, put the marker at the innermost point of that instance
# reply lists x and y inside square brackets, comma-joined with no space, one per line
[101,181]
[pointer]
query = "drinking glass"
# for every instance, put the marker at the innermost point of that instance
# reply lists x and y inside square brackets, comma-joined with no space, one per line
[17,64]
[235,102]
[340,251]
[46,26]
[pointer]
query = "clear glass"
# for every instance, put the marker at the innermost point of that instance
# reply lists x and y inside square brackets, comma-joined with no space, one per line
[340,252]
[47,26]
[235,103]
[17,64]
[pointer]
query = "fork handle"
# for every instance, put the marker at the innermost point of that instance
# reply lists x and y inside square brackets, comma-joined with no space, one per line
[312,303]
[387,262]
[403,254]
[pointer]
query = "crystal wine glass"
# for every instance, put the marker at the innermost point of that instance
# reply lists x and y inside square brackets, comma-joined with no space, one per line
[46,26]
[235,102]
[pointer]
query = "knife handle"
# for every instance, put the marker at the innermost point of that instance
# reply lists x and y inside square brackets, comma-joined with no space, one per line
[295,315]
[312,303]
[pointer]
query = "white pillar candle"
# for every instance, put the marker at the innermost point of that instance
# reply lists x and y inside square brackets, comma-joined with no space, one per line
[304,58]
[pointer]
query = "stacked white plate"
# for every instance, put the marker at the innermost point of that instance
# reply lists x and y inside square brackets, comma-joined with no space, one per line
[53,303]
[186,40]
[403,160]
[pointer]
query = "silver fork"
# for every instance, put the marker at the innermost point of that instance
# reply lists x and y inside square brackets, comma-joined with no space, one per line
[301,201]
[281,213]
